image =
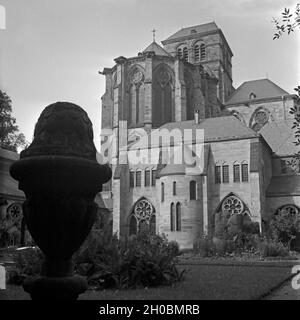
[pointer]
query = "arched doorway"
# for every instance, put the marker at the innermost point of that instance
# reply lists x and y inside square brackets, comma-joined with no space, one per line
[142,218]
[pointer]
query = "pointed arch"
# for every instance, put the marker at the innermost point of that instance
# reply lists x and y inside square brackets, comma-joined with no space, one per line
[163,95]
[178,216]
[142,217]
[240,209]
[260,117]
[136,95]
[172,217]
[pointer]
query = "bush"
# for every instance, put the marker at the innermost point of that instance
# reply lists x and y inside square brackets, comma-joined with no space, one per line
[269,248]
[142,261]
[204,247]
[28,262]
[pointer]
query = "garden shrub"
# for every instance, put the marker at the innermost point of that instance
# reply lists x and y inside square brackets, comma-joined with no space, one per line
[28,262]
[269,248]
[204,247]
[141,261]
[285,227]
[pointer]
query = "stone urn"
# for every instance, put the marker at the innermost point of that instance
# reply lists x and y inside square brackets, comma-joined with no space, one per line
[60,177]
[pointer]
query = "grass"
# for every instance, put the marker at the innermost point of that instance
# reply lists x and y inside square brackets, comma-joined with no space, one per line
[202,282]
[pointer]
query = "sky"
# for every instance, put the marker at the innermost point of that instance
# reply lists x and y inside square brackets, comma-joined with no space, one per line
[52,50]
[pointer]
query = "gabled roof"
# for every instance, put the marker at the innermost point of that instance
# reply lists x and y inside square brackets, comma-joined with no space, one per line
[159,51]
[202,28]
[215,129]
[280,137]
[262,89]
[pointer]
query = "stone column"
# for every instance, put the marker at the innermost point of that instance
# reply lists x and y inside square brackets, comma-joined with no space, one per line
[148,92]
[180,91]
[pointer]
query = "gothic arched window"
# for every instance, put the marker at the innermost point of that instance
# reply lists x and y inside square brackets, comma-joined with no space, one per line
[202,52]
[132,225]
[163,97]
[162,192]
[233,205]
[174,188]
[197,53]
[185,53]
[245,172]
[142,218]
[172,217]
[178,216]
[259,118]
[193,191]
[236,172]
[136,97]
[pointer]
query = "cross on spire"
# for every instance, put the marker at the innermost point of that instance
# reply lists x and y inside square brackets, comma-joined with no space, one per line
[153,31]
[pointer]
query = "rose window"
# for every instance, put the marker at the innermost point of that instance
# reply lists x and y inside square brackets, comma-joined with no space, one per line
[14,214]
[261,117]
[289,209]
[143,210]
[233,205]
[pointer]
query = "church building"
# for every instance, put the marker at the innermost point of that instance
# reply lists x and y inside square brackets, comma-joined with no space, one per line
[247,143]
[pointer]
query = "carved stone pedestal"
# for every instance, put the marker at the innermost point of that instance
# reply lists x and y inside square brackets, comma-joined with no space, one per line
[60,177]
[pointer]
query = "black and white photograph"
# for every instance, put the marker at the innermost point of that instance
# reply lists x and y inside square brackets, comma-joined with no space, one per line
[149,154]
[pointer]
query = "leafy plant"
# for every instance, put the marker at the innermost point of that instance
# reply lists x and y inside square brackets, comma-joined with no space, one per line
[142,261]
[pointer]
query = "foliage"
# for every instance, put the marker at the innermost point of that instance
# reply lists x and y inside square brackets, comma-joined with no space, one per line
[10,138]
[284,227]
[142,261]
[28,262]
[242,243]
[288,22]
[271,248]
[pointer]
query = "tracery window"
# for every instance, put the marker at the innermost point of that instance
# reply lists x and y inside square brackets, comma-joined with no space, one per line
[232,205]
[259,118]
[142,218]
[163,97]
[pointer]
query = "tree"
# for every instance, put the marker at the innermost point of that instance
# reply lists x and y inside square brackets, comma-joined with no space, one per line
[290,21]
[10,138]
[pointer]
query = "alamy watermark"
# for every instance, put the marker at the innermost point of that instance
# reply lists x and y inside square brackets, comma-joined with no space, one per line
[163,145]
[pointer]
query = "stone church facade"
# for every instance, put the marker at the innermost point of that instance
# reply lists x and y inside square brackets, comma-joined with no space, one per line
[186,85]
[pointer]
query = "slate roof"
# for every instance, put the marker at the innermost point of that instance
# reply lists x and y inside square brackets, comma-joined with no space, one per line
[202,28]
[159,51]
[263,89]
[284,185]
[215,129]
[280,137]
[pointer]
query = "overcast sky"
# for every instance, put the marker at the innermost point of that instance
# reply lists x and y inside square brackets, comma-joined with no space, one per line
[52,50]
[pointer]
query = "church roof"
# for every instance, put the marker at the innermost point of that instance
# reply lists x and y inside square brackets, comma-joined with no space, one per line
[262,89]
[284,185]
[215,129]
[155,47]
[202,28]
[280,137]
[219,128]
